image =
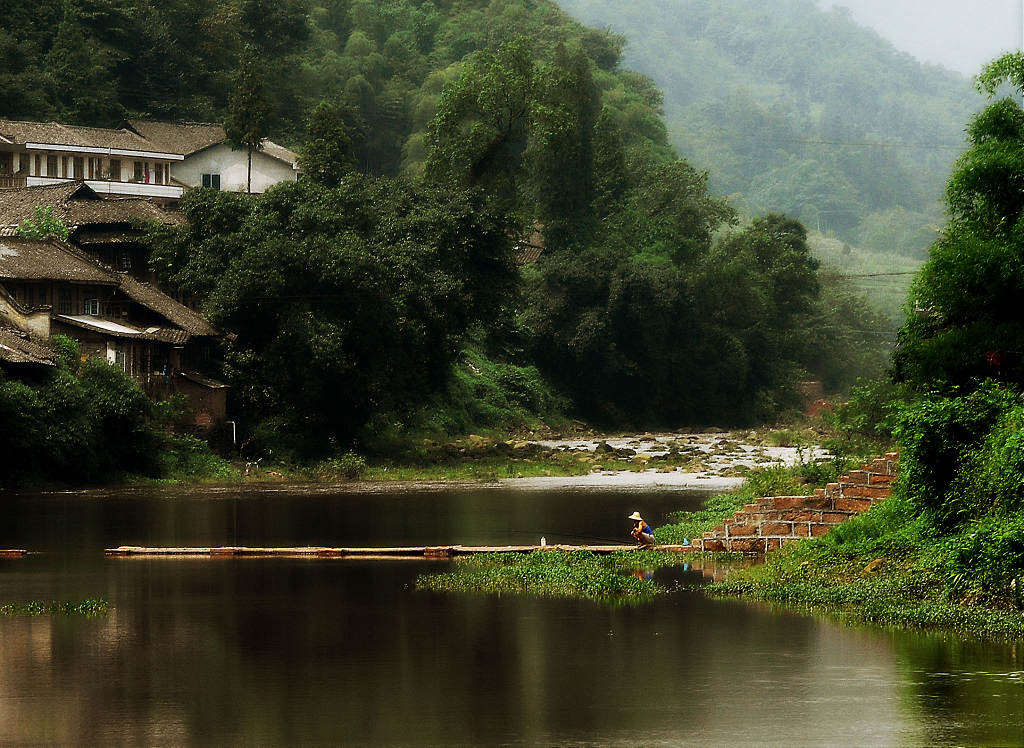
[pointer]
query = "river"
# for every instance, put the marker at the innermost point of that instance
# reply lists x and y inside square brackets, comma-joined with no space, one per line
[333,651]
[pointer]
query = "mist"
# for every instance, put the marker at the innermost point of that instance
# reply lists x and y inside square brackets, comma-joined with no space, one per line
[958,35]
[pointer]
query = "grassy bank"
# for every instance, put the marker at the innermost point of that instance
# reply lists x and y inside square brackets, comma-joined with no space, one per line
[880,569]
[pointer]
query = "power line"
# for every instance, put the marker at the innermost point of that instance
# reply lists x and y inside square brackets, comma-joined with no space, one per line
[878,275]
[840,143]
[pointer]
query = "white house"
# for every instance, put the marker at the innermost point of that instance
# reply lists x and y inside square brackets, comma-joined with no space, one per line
[116,162]
[208,161]
[142,158]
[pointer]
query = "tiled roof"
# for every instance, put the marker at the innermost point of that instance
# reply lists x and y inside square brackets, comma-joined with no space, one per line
[148,136]
[54,133]
[167,335]
[529,250]
[179,137]
[124,330]
[279,152]
[190,137]
[16,348]
[208,382]
[76,204]
[19,204]
[127,210]
[179,314]
[31,259]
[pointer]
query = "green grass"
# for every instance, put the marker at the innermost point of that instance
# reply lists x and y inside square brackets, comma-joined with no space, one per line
[883,568]
[88,608]
[578,574]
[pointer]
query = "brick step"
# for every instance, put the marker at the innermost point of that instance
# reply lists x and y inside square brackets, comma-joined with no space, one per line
[772,521]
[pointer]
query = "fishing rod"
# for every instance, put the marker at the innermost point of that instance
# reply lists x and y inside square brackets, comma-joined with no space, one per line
[573,536]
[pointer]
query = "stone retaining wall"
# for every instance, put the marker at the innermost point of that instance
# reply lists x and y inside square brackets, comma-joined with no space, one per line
[774,521]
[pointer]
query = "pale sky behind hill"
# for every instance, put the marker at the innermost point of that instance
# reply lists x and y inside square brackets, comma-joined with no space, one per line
[961,35]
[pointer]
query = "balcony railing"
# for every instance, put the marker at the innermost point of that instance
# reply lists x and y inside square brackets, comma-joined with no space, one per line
[12,181]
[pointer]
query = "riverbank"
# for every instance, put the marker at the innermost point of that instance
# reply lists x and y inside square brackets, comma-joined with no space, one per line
[708,460]
[900,588]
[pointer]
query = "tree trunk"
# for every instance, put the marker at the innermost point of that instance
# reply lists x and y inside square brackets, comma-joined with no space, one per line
[248,176]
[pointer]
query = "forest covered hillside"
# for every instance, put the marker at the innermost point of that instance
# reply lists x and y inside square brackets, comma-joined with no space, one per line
[431,135]
[95,62]
[798,109]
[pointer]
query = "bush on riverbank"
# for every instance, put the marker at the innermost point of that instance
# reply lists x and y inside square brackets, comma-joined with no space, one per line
[946,551]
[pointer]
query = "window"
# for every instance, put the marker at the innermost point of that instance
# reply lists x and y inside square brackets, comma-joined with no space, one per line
[92,307]
[158,176]
[39,165]
[51,166]
[137,175]
[6,163]
[79,167]
[64,166]
[115,169]
[23,163]
[64,301]
[93,168]
[211,180]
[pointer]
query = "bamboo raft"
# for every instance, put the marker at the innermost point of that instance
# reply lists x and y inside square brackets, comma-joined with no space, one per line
[12,552]
[432,552]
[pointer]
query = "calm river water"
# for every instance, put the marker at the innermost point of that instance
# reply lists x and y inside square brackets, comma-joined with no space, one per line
[333,651]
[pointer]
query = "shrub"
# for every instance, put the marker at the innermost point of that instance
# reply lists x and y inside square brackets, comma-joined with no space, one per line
[348,466]
[42,225]
[186,457]
[939,436]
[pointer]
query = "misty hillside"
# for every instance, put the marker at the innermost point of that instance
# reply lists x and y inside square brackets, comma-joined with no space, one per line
[799,109]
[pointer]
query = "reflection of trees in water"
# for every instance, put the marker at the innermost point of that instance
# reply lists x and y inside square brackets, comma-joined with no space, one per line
[967,693]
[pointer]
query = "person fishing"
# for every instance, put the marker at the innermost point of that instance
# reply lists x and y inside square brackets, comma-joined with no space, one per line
[641,532]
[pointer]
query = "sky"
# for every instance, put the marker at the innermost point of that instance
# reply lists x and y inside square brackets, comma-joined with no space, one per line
[961,35]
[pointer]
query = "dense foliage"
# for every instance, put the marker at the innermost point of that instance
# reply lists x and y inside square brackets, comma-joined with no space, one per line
[796,108]
[650,306]
[963,320]
[655,328]
[86,422]
[346,302]
[948,548]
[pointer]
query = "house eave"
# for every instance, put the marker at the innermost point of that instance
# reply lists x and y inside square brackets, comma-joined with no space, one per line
[69,148]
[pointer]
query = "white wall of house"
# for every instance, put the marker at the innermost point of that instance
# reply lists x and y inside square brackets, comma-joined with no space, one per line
[232,167]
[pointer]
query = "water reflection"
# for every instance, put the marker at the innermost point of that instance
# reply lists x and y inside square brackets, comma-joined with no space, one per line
[289,651]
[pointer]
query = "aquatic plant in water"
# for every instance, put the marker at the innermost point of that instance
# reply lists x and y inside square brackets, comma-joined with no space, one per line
[617,578]
[88,608]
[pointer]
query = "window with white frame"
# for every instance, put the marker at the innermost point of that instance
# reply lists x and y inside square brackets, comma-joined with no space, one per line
[92,307]
[211,180]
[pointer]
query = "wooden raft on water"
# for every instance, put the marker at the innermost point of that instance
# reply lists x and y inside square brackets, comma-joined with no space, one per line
[442,551]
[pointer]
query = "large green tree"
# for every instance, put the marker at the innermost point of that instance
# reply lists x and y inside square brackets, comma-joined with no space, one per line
[963,317]
[347,304]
